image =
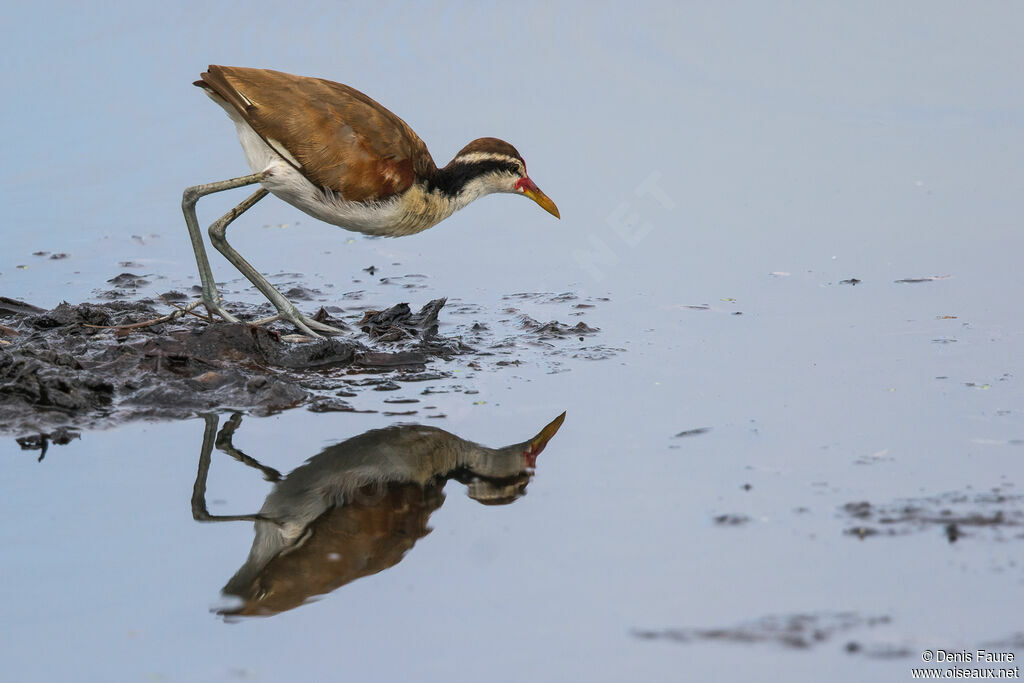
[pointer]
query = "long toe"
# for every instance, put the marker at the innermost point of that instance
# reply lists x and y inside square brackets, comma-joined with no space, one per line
[299,320]
[215,308]
[321,327]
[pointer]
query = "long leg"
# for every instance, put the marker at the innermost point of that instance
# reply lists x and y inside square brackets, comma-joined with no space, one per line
[188,206]
[286,309]
[199,511]
[224,444]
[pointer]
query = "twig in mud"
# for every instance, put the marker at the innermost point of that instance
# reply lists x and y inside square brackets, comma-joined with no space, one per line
[188,309]
[182,310]
[174,315]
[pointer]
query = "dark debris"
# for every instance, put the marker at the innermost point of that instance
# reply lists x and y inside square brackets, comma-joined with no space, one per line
[955,515]
[56,370]
[80,366]
[796,631]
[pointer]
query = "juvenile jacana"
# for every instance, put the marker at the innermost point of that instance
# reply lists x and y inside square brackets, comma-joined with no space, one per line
[339,156]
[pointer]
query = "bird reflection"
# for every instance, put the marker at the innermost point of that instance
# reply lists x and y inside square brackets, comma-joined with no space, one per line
[355,508]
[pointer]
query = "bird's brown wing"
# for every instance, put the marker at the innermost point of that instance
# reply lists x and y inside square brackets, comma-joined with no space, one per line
[343,140]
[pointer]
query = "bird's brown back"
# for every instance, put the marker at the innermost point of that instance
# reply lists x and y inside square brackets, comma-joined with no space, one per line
[346,543]
[343,140]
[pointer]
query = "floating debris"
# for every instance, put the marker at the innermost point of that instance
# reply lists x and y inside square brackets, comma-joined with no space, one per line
[61,436]
[731,520]
[128,280]
[692,432]
[950,512]
[914,280]
[796,631]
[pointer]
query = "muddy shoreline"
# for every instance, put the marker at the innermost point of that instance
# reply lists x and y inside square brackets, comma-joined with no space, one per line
[74,367]
[91,365]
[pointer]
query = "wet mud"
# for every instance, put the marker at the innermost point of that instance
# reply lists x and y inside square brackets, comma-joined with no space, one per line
[94,365]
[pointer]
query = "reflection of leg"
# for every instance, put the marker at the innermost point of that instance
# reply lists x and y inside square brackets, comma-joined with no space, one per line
[286,309]
[225,446]
[188,206]
[199,511]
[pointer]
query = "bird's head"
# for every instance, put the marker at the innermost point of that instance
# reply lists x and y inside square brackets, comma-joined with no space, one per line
[489,165]
[497,476]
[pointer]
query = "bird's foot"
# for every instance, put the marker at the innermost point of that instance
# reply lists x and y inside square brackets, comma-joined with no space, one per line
[305,325]
[214,308]
[309,329]
[322,327]
[308,326]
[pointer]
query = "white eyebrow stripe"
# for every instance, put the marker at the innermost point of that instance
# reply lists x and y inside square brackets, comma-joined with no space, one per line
[473,157]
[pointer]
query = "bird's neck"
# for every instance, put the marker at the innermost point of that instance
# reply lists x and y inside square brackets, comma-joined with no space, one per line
[462,181]
[444,192]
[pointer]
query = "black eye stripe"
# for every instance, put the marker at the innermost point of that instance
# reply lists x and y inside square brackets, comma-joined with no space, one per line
[453,177]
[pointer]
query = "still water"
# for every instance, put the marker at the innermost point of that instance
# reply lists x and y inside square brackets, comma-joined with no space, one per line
[792,450]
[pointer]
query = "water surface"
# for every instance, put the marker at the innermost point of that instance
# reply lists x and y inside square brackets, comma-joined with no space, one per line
[723,174]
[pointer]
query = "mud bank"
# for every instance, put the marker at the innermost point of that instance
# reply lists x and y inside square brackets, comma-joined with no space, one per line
[78,365]
[92,365]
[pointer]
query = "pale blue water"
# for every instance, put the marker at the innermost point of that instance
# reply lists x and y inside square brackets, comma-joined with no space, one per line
[744,157]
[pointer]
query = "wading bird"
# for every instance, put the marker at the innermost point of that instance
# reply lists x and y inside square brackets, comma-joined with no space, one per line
[334,153]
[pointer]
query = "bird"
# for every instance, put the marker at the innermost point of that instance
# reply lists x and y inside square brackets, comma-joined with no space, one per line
[357,507]
[336,154]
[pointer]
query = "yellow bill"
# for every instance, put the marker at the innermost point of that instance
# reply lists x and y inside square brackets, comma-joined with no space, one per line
[530,189]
